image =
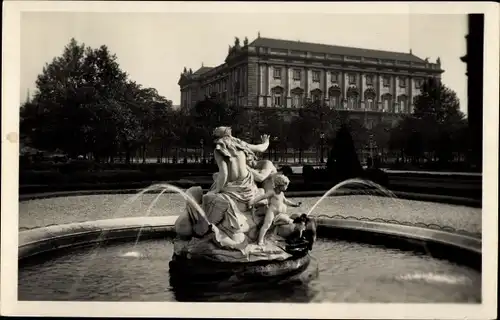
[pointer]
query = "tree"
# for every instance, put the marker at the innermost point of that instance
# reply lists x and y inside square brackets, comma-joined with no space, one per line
[438,108]
[343,162]
[86,104]
[50,118]
[381,135]
[301,135]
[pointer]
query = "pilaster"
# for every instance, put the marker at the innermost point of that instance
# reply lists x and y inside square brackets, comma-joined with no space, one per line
[410,94]
[343,78]
[306,86]
[287,87]
[361,91]
[325,85]
[394,93]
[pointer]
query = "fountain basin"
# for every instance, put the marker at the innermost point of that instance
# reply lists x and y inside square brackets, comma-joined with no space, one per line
[297,284]
[441,244]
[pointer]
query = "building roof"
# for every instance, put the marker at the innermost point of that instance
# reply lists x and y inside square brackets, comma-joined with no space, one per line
[331,49]
[202,70]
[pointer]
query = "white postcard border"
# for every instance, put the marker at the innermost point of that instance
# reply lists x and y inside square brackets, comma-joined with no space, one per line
[10,168]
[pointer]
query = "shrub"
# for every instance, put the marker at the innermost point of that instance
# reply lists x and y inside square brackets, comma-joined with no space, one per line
[287,170]
[308,172]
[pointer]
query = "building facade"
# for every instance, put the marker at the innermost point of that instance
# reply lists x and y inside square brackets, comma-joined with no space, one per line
[274,73]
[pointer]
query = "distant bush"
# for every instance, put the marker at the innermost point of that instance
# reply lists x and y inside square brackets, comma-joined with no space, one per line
[287,170]
[378,176]
[310,174]
[307,171]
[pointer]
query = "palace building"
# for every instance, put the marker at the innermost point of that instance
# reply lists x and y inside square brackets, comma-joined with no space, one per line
[274,73]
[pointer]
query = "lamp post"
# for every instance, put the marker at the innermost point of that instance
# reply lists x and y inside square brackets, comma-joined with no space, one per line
[321,140]
[202,157]
[275,139]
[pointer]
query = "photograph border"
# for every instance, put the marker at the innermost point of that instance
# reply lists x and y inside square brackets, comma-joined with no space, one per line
[9,303]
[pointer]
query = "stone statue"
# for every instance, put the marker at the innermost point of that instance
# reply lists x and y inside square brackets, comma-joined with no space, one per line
[228,228]
[245,42]
[438,61]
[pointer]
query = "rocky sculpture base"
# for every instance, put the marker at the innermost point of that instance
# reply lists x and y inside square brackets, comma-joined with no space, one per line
[200,269]
[217,240]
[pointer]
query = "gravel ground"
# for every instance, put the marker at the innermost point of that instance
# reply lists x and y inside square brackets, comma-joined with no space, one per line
[43,212]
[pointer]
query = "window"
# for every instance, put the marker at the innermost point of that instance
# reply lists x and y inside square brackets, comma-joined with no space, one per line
[402,82]
[403,105]
[386,103]
[277,100]
[352,79]
[418,83]
[277,94]
[369,105]
[316,95]
[296,74]
[316,76]
[334,77]
[369,80]
[277,73]
[296,100]
[387,81]
[351,102]
[334,101]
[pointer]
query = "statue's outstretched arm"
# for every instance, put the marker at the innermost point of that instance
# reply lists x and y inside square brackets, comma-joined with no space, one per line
[290,203]
[260,147]
[223,171]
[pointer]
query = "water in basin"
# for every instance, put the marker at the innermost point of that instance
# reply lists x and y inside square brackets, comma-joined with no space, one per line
[345,272]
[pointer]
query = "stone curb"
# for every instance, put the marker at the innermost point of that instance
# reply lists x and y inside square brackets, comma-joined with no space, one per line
[403,195]
[49,239]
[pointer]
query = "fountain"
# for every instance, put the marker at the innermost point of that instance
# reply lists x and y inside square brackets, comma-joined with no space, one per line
[217,234]
[211,254]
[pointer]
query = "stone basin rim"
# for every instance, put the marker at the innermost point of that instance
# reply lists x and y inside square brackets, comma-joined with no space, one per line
[35,241]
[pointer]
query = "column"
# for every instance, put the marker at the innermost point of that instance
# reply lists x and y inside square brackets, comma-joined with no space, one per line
[361,92]
[259,83]
[266,87]
[287,86]
[306,84]
[394,92]
[325,85]
[410,94]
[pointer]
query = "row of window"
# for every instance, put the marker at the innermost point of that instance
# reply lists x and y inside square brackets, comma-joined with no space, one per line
[217,87]
[352,78]
[352,103]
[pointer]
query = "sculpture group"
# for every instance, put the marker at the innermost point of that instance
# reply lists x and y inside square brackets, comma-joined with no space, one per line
[242,218]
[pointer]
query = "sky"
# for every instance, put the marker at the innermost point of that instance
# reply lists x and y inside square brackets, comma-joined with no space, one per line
[153,48]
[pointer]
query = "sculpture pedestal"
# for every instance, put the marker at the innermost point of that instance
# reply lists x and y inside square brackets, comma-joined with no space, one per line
[203,272]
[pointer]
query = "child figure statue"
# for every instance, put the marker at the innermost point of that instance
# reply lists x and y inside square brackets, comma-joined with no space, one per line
[277,205]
